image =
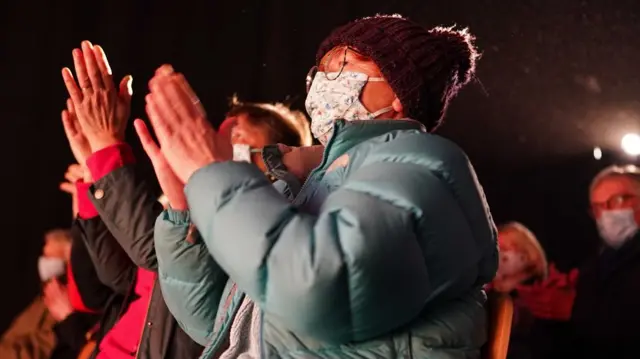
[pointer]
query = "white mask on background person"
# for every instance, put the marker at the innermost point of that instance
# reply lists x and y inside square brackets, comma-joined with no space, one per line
[242,152]
[50,267]
[336,96]
[616,226]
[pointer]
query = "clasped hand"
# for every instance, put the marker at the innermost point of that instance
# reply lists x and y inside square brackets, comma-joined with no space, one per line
[186,139]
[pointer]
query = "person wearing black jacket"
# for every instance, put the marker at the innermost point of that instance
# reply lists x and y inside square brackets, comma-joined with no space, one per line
[605,314]
[597,316]
[119,241]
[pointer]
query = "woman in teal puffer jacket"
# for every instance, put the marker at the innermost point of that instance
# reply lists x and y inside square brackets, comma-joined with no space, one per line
[384,250]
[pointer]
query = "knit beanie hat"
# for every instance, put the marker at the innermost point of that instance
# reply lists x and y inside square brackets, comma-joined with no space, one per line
[425,68]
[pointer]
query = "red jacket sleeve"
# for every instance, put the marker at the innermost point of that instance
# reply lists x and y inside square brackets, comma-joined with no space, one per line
[74,294]
[100,164]
[109,159]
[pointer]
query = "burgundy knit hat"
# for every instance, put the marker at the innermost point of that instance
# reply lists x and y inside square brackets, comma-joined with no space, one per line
[425,68]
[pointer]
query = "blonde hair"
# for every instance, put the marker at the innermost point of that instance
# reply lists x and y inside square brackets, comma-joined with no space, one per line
[527,242]
[295,120]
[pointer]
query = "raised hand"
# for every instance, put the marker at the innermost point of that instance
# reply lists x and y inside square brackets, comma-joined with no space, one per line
[553,298]
[187,139]
[171,186]
[101,109]
[56,299]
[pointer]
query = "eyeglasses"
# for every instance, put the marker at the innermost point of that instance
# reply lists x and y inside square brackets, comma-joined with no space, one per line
[314,70]
[615,202]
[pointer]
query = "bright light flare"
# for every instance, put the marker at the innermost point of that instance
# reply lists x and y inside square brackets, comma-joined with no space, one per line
[597,153]
[631,144]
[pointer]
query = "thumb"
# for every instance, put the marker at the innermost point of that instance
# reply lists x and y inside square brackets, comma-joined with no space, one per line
[148,144]
[126,89]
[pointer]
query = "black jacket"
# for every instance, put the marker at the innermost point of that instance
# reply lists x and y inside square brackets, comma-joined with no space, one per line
[107,302]
[606,312]
[128,210]
[71,334]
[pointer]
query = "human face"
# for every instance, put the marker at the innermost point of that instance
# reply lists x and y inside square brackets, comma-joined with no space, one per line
[56,249]
[514,262]
[615,192]
[242,131]
[375,95]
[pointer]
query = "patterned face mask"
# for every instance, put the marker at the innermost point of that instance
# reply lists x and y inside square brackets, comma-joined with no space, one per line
[334,96]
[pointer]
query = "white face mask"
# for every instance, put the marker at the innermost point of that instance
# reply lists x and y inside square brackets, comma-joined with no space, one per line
[335,96]
[242,153]
[49,268]
[616,226]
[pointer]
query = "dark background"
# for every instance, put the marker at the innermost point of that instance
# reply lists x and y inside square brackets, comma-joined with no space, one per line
[556,79]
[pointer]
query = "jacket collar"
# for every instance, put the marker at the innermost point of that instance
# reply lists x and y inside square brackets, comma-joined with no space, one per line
[348,134]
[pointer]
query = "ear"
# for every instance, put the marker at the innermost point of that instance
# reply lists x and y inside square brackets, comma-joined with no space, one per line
[397,107]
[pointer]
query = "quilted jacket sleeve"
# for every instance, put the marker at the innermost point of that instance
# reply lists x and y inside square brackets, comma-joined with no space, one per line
[336,276]
[128,207]
[192,282]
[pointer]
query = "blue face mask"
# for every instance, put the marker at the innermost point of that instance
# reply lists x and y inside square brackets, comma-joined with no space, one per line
[616,226]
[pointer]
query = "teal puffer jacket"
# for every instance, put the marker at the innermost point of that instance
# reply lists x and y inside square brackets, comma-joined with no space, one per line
[382,254]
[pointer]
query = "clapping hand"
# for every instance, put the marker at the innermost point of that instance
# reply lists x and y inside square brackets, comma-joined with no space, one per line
[102,110]
[187,140]
[553,298]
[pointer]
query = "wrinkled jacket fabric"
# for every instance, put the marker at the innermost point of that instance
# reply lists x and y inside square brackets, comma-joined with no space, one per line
[128,209]
[382,253]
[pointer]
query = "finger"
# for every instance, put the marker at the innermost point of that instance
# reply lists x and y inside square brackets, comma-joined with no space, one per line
[67,187]
[76,172]
[193,98]
[103,66]
[148,144]
[70,84]
[164,70]
[69,176]
[76,169]
[69,128]
[165,104]
[81,70]
[92,66]
[160,126]
[284,148]
[185,106]
[126,89]
[70,107]
[73,118]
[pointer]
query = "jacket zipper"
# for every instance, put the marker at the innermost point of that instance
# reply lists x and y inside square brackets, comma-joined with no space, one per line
[144,324]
